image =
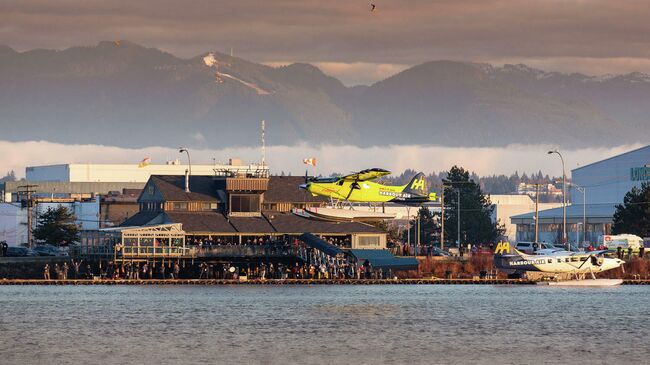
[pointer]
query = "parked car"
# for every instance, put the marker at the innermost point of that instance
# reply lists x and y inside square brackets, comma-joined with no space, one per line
[531,247]
[435,251]
[49,250]
[20,252]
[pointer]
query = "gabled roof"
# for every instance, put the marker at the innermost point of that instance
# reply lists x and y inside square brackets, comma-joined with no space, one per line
[291,223]
[252,225]
[201,222]
[141,218]
[202,188]
[285,189]
[613,157]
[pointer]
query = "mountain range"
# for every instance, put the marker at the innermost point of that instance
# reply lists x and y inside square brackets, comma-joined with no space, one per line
[123,94]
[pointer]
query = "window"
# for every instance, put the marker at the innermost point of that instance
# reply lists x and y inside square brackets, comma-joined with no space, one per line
[151,189]
[550,261]
[208,206]
[179,206]
[245,203]
[368,241]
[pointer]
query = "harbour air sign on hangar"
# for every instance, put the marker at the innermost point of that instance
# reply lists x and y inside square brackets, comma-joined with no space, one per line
[640,173]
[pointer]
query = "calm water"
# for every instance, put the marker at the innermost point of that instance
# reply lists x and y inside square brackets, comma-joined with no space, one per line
[323,324]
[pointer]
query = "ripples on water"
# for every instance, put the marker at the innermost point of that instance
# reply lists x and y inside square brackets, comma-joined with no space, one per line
[323,324]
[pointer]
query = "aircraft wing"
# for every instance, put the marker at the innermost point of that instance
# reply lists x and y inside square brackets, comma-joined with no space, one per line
[600,252]
[367,174]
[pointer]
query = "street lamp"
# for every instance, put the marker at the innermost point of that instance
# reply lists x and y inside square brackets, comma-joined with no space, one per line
[584,210]
[564,239]
[189,161]
[458,191]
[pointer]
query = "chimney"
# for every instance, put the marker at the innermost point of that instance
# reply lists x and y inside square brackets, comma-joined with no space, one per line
[187,181]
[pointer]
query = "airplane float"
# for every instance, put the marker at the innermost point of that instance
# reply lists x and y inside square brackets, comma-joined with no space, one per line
[577,264]
[358,187]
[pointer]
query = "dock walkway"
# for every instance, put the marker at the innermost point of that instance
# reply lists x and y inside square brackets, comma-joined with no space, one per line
[288,282]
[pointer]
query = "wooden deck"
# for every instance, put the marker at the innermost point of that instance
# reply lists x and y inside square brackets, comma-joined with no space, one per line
[288,282]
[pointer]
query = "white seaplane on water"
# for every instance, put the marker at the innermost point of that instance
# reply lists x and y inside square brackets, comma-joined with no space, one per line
[576,264]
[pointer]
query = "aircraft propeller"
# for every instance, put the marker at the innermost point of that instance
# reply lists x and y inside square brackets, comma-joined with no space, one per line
[355,183]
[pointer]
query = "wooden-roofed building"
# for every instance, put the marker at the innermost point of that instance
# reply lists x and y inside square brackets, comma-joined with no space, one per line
[238,210]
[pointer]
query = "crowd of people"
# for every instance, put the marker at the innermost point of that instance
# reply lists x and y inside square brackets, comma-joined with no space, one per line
[313,264]
[64,271]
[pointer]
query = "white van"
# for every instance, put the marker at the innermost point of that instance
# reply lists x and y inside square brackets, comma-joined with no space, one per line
[624,241]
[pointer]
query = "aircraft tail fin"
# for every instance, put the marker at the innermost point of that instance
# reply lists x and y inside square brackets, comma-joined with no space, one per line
[417,186]
[505,248]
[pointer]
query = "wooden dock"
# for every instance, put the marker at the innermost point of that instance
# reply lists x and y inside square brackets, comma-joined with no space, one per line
[268,282]
[286,282]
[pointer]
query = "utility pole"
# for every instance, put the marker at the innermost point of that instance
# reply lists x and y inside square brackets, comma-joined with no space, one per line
[565,241]
[442,219]
[458,191]
[408,226]
[417,244]
[536,213]
[29,211]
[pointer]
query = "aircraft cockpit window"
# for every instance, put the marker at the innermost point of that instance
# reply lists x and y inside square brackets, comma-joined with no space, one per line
[340,182]
[326,180]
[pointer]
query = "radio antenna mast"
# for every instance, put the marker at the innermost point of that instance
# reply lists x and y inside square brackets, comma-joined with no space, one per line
[263,145]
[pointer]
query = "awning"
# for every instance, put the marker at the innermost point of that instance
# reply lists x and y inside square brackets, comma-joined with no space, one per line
[320,244]
[385,259]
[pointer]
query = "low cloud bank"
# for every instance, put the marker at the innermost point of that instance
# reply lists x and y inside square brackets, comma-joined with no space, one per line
[342,159]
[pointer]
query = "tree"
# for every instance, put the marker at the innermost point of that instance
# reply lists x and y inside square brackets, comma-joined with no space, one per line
[11,176]
[633,216]
[56,226]
[475,210]
[428,228]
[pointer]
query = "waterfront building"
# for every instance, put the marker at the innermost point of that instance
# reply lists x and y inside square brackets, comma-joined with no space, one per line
[506,206]
[601,185]
[228,219]
[234,210]
[14,221]
[134,173]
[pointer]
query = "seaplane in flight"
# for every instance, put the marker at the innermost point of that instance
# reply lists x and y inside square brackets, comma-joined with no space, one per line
[555,262]
[359,187]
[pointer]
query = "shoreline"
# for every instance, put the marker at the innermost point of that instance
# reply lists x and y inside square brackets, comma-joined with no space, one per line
[206,282]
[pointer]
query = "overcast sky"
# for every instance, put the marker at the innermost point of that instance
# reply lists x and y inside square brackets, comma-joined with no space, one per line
[348,40]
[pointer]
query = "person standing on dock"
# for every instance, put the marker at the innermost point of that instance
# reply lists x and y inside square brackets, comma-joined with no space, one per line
[177,270]
[76,266]
[46,272]
[64,271]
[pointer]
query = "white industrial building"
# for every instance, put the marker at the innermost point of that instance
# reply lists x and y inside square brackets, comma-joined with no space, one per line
[90,172]
[13,218]
[604,184]
[505,206]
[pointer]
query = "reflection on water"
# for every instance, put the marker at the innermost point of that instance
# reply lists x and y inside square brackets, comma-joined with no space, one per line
[319,324]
